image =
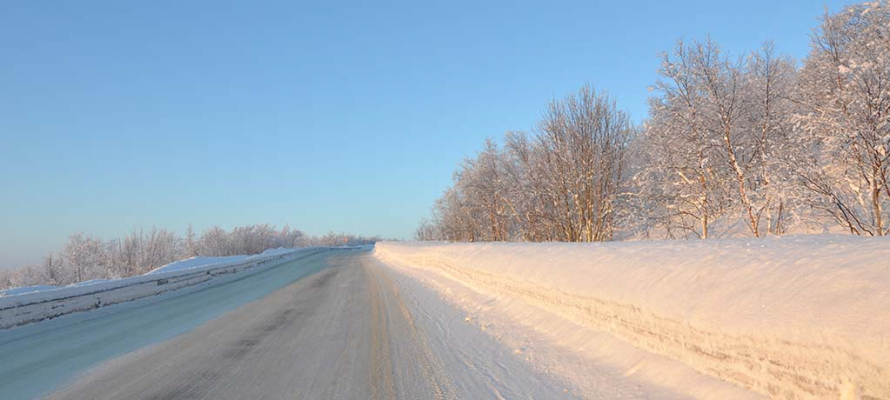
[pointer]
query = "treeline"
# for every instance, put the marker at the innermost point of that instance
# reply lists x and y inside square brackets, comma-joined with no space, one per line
[87,257]
[757,145]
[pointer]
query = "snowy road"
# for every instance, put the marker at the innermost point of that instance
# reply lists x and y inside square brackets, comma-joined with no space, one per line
[332,325]
[352,324]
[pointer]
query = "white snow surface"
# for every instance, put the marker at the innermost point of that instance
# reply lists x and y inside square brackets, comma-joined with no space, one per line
[197,262]
[181,265]
[26,289]
[29,305]
[786,317]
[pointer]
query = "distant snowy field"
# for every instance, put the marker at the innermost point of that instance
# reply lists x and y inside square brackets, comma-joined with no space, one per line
[787,317]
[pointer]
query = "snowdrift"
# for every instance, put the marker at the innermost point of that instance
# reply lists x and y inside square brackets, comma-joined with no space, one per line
[789,317]
[20,306]
[195,262]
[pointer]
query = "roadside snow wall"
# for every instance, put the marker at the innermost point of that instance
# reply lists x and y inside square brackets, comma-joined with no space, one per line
[36,306]
[795,317]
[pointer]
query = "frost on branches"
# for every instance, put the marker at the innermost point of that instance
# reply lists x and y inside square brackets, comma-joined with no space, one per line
[746,145]
[844,97]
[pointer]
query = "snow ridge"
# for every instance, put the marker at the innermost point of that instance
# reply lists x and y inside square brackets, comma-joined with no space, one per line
[788,317]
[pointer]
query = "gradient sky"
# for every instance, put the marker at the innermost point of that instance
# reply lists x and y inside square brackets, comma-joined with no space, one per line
[326,115]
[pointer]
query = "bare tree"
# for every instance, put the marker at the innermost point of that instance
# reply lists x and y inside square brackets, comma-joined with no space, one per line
[191,241]
[87,257]
[773,155]
[583,139]
[683,178]
[214,242]
[562,183]
[84,254]
[844,94]
[717,132]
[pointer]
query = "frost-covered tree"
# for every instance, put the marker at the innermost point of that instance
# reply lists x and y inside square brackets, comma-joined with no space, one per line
[191,241]
[53,270]
[215,242]
[86,257]
[768,103]
[733,145]
[527,185]
[715,140]
[583,140]
[426,230]
[561,183]
[844,118]
[31,275]
[5,278]
[290,238]
[683,182]
[341,239]
[482,184]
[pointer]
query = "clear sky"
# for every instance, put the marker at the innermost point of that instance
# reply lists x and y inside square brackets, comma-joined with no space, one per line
[327,115]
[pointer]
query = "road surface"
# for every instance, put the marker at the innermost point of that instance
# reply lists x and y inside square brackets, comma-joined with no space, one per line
[333,325]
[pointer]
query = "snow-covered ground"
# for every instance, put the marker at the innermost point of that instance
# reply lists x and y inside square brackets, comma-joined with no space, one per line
[21,306]
[787,317]
[352,330]
[187,264]
[26,289]
[196,262]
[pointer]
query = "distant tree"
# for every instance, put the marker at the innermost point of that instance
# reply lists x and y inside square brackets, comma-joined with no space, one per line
[214,242]
[5,278]
[53,270]
[84,254]
[87,257]
[191,241]
[561,183]
[427,230]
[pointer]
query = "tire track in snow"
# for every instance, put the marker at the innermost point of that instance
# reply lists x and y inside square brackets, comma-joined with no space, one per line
[352,330]
[431,366]
[401,327]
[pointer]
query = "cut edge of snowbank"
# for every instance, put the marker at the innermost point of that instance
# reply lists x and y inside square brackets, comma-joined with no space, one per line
[801,316]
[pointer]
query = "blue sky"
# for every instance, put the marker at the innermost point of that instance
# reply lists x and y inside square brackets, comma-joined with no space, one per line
[327,115]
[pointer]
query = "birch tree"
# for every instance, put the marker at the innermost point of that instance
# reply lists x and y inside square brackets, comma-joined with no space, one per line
[716,134]
[583,138]
[561,183]
[844,94]
[683,178]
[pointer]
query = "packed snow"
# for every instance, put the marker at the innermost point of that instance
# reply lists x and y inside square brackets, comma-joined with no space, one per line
[196,262]
[26,289]
[787,317]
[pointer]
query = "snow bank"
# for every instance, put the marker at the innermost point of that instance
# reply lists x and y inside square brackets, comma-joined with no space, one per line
[789,317]
[26,289]
[21,306]
[181,265]
[195,262]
